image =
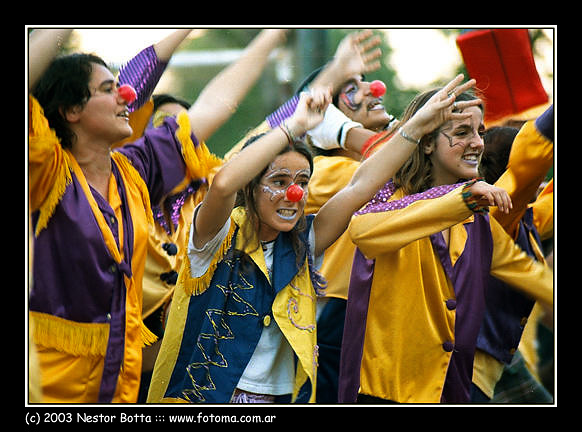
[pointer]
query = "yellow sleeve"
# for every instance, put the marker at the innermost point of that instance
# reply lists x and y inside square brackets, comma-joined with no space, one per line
[513,266]
[388,231]
[48,168]
[531,157]
[330,175]
[543,212]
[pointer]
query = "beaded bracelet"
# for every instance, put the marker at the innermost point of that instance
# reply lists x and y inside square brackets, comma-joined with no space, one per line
[470,199]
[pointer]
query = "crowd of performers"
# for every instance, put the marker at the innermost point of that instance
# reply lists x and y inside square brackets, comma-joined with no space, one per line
[336,254]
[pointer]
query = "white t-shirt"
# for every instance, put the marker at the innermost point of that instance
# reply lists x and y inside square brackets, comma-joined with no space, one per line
[271,369]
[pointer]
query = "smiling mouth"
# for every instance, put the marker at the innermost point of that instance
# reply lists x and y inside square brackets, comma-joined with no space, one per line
[124,114]
[472,159]
[287,214]
[376,104]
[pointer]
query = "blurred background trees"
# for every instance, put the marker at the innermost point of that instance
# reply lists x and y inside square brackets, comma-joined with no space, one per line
[207,51]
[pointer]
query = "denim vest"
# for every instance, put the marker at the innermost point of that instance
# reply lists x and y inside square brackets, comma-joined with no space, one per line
[224,323]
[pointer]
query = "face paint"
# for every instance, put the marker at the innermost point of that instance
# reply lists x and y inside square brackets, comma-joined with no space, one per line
[278,181]
[348,95]
[275,194]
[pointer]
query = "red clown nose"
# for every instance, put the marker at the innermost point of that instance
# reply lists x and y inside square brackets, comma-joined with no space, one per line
[378,88]
[127,93]
[294,193]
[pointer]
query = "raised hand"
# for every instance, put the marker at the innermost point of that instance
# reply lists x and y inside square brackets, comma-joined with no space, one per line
[442,107]
[357,53]
[310,110]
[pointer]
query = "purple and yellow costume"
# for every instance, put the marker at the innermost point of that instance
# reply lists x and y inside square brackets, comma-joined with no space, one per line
[416,304]
[89,257]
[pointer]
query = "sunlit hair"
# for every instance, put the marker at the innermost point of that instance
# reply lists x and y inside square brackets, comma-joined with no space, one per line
[416,174]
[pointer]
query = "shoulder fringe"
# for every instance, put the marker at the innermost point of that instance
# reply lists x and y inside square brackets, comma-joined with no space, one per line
[71,337]
[47,209]
[196,286]
[39,130]
[128,170]
[64,178]
[199,160]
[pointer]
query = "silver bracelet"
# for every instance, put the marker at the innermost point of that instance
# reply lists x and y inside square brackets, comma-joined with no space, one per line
[407,137]
[290,137]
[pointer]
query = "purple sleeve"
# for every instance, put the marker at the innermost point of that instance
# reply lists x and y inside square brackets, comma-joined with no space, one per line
[143,73]
[157,156]
[380,202]
[545,123]
[283,112]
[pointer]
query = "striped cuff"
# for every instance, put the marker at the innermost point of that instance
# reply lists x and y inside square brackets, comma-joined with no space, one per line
[143,72]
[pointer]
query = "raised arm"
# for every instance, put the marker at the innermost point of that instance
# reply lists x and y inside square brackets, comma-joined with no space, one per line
[166,47]
[356,54]
[144,70]
[249,162]
[334,217]
[532,155]
[43,46]
[220,98]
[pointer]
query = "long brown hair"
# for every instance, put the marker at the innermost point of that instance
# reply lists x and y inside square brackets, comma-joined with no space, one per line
[246,197]
[416,174]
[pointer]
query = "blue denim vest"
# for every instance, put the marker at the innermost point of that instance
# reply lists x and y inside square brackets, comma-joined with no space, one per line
[225,322]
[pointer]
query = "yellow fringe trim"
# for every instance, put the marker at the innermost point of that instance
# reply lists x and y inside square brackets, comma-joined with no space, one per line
[199,160]
[196,286]
[127,168]
[71,337]
[75,338]
[47,209]
[147,336]
[40,133]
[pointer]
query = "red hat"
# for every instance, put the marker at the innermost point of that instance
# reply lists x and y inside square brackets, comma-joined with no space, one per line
[501,61]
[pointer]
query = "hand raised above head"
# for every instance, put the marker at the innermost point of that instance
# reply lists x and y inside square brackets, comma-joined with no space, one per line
[358,53]
[310,110]
[442,107]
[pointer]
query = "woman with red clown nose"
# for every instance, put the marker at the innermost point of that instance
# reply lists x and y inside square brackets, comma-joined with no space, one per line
[127,93]
[242,326]
[91,208]
[349,122]
[92,205]
[356,115]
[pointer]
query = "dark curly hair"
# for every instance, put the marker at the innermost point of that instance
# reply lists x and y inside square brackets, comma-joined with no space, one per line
[64,85]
